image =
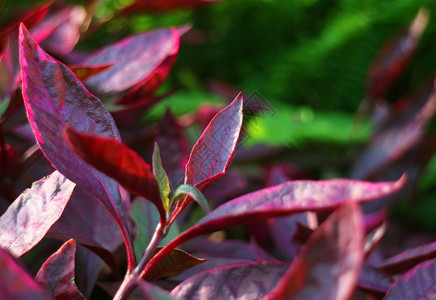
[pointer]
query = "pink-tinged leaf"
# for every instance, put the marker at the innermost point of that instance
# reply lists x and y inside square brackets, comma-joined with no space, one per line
[409,258]
[213,152]
[57,273]
[239,281]
[329,262]
[399,133]
[374,281]
[284,199]
[174,148]
[15,283]
[55,97]
[135,60]
[393,58]
[418,283]
[154,6]
[59,33]
[86,72]
[30,19]
[31,215]
[173,264]
[119,162]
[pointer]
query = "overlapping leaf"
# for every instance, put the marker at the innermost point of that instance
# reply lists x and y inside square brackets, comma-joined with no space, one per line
[119,162]
[329,262]
[32,214]
[135,60]
[243,280]
[15,283]
[57,273]
[55,97]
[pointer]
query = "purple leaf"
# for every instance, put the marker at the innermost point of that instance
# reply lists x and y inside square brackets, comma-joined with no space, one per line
[135,60]
[15,283]
[213,152]
[55,97]
[173,264]
[418,283]
[393,58]
[284,199]
[31,215]
[238,281]
[329,262]
[143,290]
[409,258]
[154,6]
[374,281]
[57,273]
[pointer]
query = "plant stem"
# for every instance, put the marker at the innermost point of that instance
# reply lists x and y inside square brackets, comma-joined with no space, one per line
[132,278]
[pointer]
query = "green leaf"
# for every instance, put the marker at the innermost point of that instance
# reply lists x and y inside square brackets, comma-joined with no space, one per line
[187,189]
[3,106]
[161,177]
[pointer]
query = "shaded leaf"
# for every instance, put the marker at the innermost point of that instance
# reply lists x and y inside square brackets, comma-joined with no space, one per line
[15,283]
[135,60]
[393,58]
[57,273]
[31,215]
[161,6]
[418,283]
[284,199]
[143,290]
[329,262]
[409,258]
[55,97]
[86,72]
[374,281]
[119,162]
[213,152]
[243,280]
[173,264]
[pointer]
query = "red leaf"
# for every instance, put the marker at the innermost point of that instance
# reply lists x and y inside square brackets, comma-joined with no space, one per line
[31,215]
[213,152]
[135,59]
[86,72]
[57,273]
[15,283]
[154,6]
[284,199]
[329,262]
[393,58]
[119,162]
[237,281]
[173,264]
[55,97]
[418,283]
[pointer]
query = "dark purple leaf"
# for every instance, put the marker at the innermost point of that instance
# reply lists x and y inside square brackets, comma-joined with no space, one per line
[173,264]
[174,148]
[119,162]
[154,6]
[60,32]
[329,262]
[129,115]
[143,290]
[15,283]
[409,258]
[374,281]
[284,199]
[86,72]
[398,134]
[57,273]
[393,58]
[418,283]
[135,60]
[231,185]
[55,97]
[213,152]
[28,219]
[239,281]
[373,238]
